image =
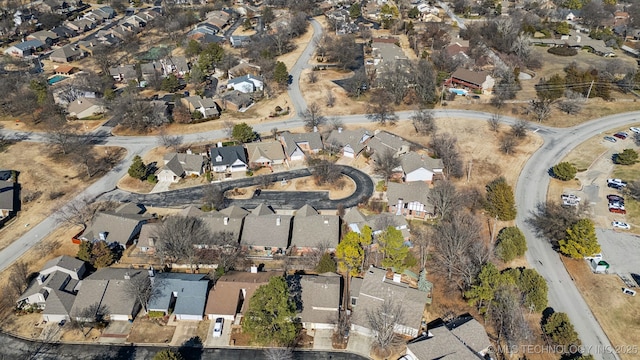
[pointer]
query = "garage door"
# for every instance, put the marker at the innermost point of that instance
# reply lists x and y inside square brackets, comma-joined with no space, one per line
[119,317]
[53,318]
[188,317]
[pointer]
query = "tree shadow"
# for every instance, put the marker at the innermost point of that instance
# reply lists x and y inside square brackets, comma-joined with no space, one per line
[192,349]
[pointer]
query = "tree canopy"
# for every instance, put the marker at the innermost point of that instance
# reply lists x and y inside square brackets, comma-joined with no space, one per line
[511,244]
[500,200]
[393,248]
[564,171]
[560,330]
[243,133]
[168,354]
[626,157]
[350,252]
[269,317]
[581,240]
[137,170]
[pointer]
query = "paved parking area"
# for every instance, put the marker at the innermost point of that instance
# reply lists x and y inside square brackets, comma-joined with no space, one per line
[322,339]
[222,340]
[116,332]
[185,330]
[621,250]
[359,344]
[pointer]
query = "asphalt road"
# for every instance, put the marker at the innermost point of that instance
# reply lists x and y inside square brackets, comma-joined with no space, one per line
[280,199]
[298,103]
[18,349]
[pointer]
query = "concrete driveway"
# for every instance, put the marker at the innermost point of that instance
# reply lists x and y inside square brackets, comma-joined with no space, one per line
[322,339]
[221,341]
[116,333]
[161,186]
[185,330]
[359,344]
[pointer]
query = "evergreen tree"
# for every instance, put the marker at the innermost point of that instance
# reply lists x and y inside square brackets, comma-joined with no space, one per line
[243,133]
[168,354]
[326,264]
[350,254]
[626,157]
[84,251]
[393,249]
[210,56]
[101,255]
[269,317]
[560,330]
[138,170]
[483,292]
[170,83]
[581,240]
[500,201]
[281,74]
[534,288]
[564,171]
[511,244]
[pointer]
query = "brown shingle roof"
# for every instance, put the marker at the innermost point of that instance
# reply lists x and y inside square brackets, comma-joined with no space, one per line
[472,77]
[224,297]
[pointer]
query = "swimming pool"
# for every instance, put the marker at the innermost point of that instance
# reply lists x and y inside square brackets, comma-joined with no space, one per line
[461,92]
[56,79]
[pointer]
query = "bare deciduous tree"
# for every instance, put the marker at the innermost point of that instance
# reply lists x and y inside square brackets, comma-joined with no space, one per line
[140,287]
[506,312]
[178,237]
[19,277]
[385,164]
[382,321]
[519,128]
[423,122]
[213,197]
[508,143]
[228,125]
[313,77]
[278,353]
[313,117]
[169,141]
[445,198]
[81,210]
[551,221]
[446,148]
[540,109]
[324,171]
[331,99]
[494,122]
[379,108]
[334,123]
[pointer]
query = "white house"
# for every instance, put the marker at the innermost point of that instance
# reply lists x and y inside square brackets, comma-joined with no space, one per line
[419,167]
[246,84]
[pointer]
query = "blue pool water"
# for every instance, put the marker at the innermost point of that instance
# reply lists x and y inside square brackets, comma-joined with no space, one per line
[56,79]
[458,91]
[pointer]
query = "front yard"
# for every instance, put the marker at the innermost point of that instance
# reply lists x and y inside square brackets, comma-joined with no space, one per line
[147,330]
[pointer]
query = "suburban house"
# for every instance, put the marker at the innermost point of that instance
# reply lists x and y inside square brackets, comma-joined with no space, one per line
[116,227]
[265,153]
[386,53]
[463,338]
[239,40]
[312,231]
[54,289]
[266,232]
[66,54]
[205,106]
[351,142]
[186,294]
[383,141]
[244,68]
[177,65]
[46,36]
[25,48]
[246,83]
[458,51]
[228,220]
[65,70]
[235,100]
[356,221]
[228,159]
[151,71]
[474,80]
[109,289]
[178,165]
[7,198]
[378,286]
[148,239]
[230,295]
[205,35]
[420,167]
[410,199]
[84,107]
[296,146]
[123,73]
[319,312]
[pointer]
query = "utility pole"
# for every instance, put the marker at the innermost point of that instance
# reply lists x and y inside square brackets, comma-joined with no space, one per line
[590,87]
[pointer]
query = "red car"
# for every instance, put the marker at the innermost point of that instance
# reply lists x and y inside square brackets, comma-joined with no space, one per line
[617,210]
[621,135]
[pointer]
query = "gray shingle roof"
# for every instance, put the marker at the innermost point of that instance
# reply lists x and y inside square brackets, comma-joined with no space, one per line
[234,212]
[408,192]
[120,228]
[413,161]
[188,162]
[7,195]
[191,290]
[320,309]
[441,345]
[148,232]
[311,229]
[65,52]
[228,155]
[354,138]
[470,332]
[244,78]
[383,141]
[261,229]
[311,140]
[65,262]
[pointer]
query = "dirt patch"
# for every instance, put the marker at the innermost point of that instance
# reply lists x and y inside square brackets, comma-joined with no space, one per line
[25,325]
[147,330]
[127,183]
[189,181]
[203,329]
[617,313]
[318,92]
[77,335]
[46,183]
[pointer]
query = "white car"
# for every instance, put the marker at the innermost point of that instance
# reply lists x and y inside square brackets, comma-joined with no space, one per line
[616,182]
[217,328]
[620,225]
[635,130]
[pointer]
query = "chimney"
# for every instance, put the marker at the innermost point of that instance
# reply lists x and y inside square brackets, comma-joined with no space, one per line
[189,151]
[399,207]
[254,270]
[226,220]
[127,276]
[339,130]
[397,278]
[152,241]
[219,144]
[278,221]
[103,236]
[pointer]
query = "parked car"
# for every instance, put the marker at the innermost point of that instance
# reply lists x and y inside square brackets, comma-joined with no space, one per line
[217,327]
[635,130]
[616,204]
[628,291]
[615,198]
[621,135]
[620,225]
[611,139]
[616,210]
[616,182]
[406,357]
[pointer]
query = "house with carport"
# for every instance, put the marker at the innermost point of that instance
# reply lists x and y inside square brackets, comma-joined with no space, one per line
[265,232]
[54,289]
[186,294]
